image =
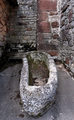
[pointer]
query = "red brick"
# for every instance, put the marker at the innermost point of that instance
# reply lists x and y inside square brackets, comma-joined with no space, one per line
[42,16]
[53,13]
[55,36]
[44,27]
[47,47]
[29,29]
[55,24]
[62,15]
[53,53]
[46,5]
[67,60]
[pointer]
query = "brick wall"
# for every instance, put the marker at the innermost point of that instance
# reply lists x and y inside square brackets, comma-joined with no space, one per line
[67,33]
[48,26]
[4,24]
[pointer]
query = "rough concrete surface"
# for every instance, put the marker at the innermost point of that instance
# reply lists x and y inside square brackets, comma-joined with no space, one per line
[10,108]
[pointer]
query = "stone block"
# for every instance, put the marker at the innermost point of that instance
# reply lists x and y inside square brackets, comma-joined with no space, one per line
[46,35]
[55,24]
[44,27]
[55,36]
[65,7]
[70,15]
[67,60]
[47,47]
[42,16]
[53,53]
[45,5]
[39,38]
[26,37]
[53,13]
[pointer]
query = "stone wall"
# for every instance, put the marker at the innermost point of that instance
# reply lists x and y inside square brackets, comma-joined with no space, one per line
[4,24]
[23,26]
[36,24]
[67,33]
[48,26]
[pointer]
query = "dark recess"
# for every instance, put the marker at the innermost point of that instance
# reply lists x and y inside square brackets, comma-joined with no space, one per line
[12,2]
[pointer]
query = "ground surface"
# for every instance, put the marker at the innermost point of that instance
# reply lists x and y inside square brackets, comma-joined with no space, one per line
[10,108]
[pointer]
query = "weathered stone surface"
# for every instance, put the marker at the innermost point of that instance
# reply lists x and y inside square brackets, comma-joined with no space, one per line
[42,16]
[47,47]
[55,24]
[48,15]
[67,34]
[44,27]
[47,5]
[53,53]
[37,99]
[55,36]
[23,23]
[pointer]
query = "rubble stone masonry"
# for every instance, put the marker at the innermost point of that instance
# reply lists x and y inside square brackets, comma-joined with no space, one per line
[47,25]
[67,33]
[23,26]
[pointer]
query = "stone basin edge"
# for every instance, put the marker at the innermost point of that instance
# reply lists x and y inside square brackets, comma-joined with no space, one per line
[44,95]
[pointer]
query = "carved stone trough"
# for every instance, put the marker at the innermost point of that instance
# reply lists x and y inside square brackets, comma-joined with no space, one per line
[37,98]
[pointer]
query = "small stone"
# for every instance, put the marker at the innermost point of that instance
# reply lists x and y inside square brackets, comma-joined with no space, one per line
[55,24]
[29,29]
[21,115]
